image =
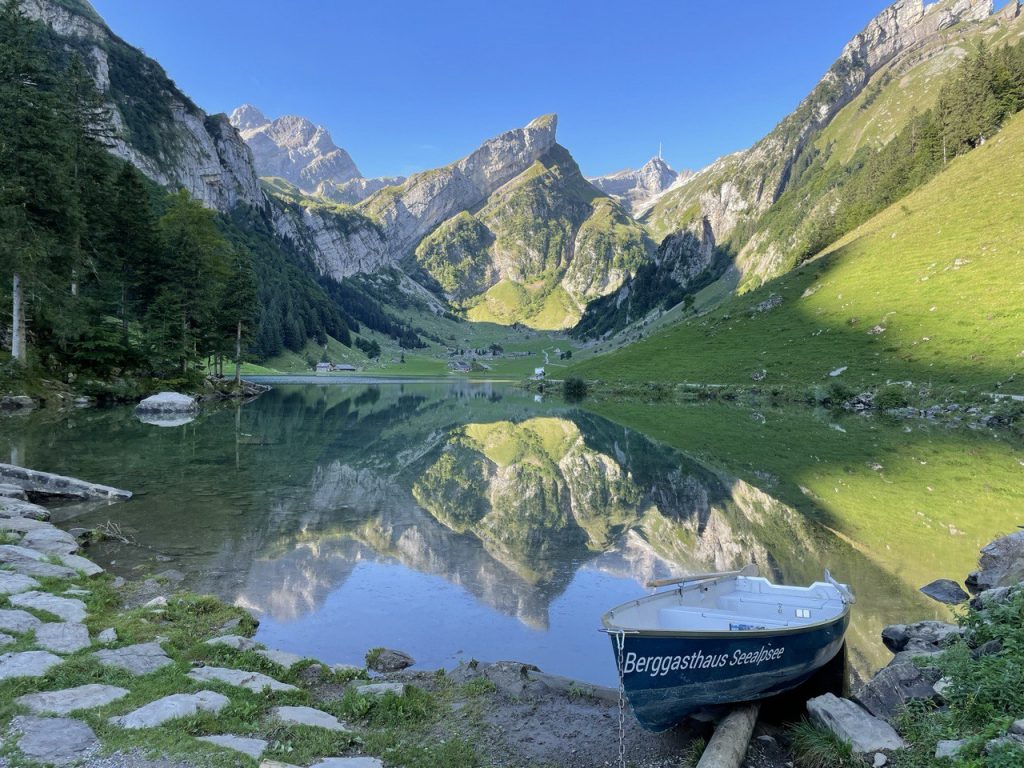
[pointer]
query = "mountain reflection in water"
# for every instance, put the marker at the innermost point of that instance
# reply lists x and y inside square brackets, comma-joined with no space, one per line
[452,521]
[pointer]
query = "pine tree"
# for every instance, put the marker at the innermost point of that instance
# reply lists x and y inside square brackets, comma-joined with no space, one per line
[240,304]
[34,205]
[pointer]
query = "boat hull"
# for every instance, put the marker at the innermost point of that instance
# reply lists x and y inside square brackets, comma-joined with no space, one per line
[669,675]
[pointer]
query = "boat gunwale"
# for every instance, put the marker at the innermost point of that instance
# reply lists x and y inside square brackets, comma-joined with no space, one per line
[611,628]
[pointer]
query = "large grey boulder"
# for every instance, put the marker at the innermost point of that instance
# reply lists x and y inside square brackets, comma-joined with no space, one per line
[90,696]
[12,492]
[854,724]
[247,746]
[79,563]
[990,597]
[168,402]
[892,688]
[253,681]
[68,608]
[945,591]
[172,707]
[54,740]
[27,664]
[1002,564]
[63,637]
[948,748]
[922,636]
[140,659]
[307,716]
[17,621]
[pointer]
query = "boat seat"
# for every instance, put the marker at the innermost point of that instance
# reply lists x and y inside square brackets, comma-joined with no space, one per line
[716,619]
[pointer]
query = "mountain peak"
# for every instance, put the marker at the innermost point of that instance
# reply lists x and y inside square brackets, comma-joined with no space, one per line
[636,188]
[293,148]
[247,117]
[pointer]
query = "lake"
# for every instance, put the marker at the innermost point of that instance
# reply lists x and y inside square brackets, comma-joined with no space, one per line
[458,520]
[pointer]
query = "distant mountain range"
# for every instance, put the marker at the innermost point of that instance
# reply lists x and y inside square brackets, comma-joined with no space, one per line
[513,233]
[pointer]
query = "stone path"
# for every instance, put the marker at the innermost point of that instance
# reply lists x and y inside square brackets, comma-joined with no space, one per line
[70,699]
[254,748]
[171,708]
[138,659]
[68,608]
[253,681]
[27,664]
[18,621]
[63,637]
[307,716]
[56,740]
[47,736]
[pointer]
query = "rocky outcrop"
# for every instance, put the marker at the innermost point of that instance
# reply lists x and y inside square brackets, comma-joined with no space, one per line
[636,188]
[293,148]
[1002,564]
[355,191]
[186,148]
[408,212]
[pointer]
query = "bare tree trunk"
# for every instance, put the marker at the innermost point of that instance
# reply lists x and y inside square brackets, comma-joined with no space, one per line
[238,355]
[18,345]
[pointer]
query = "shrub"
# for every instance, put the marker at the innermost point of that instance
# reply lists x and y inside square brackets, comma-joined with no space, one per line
[574,389]
[891,396]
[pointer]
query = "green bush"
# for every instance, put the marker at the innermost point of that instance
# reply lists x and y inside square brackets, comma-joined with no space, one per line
[891,396]
[574,389]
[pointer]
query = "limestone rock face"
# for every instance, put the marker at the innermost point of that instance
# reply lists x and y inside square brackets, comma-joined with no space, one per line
[356,190]
[426,199]
[293,148]
[635,188]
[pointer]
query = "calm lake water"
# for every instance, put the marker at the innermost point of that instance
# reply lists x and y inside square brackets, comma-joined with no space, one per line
[460,520]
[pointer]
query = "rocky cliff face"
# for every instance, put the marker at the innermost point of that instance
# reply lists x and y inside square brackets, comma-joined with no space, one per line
[355,191]
[741,187]
[636,188]
[293,148]
[408,212]
[182,146]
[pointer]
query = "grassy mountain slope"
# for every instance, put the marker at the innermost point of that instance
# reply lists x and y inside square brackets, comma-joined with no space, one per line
[536,250]
[929,290]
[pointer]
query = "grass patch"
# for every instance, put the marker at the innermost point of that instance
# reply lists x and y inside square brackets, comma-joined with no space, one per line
[816,747]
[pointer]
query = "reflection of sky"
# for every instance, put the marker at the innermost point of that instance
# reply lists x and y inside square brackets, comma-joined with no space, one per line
[439,624]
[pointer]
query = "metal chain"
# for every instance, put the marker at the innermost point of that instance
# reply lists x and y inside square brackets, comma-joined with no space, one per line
[620,638]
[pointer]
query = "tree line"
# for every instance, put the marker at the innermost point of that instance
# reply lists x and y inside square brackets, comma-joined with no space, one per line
[107,275]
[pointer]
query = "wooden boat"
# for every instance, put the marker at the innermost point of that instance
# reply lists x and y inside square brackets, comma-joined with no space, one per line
[722,638]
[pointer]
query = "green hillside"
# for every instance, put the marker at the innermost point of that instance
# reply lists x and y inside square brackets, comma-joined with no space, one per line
[536,250]
[930,290]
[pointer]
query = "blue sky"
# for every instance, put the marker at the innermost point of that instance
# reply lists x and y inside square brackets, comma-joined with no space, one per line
[405,86]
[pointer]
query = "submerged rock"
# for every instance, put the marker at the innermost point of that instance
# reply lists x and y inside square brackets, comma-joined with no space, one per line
[945,591]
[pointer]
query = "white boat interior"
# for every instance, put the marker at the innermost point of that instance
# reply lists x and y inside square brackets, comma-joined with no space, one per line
[733,604]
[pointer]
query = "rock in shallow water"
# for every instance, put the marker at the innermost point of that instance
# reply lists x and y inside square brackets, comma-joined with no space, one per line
[168,402]
[945,591]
